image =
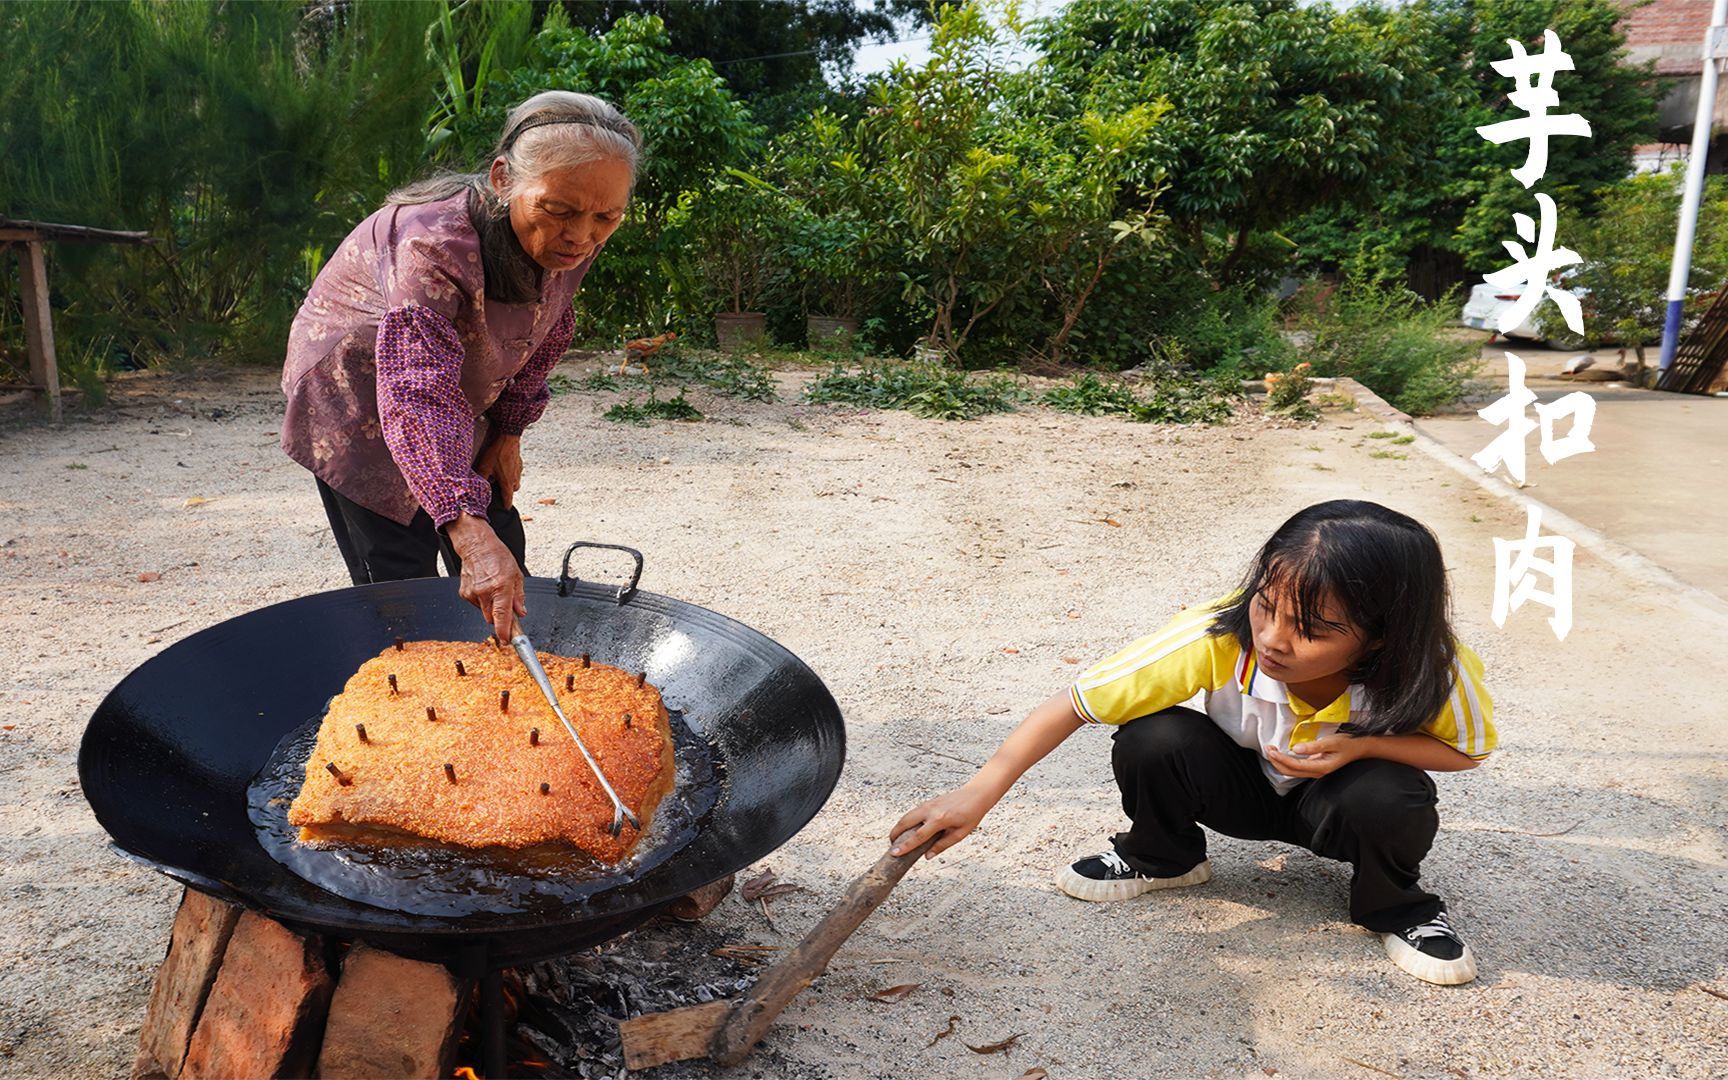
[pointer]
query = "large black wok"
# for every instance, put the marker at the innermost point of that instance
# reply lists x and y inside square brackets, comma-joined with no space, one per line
[168,755]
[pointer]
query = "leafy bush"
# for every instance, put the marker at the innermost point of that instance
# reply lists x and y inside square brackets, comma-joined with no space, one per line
[1393,342]
[1287,393]
[729,374]
[1090,396]
[1169,397]
[632,412]
[928,390]
[248,139]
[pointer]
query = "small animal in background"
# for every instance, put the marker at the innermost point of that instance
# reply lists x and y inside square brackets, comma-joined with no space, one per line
[638,350]
[1581,368]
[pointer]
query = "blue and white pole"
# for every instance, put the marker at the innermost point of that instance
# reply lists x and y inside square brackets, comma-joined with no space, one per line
[1715,45]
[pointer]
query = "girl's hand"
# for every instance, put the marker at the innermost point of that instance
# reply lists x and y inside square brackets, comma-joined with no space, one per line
[501,463]
[954,815]
[1318,758]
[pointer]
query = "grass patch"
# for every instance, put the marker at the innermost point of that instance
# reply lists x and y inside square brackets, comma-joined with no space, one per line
[640,413]
[77,465]
[1166,397]
[725,373]
[928,390]
[1393,454]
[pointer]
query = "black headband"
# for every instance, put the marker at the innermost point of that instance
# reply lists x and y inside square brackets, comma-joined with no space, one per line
[517,134]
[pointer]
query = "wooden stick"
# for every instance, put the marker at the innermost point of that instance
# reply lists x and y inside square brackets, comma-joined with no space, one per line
[727,1030]
[756,1010]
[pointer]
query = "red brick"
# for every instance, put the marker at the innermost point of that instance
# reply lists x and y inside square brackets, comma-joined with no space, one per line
[201,931]
[391,1017]
[266,1010]
[693,906]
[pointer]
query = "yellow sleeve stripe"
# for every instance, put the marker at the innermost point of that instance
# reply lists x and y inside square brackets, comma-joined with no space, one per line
[1157,648]
[1080,706]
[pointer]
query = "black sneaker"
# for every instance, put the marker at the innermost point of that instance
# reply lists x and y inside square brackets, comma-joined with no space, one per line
[1107,877]
[1433,952]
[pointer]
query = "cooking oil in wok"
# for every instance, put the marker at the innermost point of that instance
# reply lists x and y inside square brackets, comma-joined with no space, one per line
[431,879]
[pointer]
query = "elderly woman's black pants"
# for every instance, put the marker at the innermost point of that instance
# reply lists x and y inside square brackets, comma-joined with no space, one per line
[378,549]
[1178,771]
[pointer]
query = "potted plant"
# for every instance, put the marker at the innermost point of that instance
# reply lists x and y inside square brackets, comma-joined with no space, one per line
[738,224]
[827,255]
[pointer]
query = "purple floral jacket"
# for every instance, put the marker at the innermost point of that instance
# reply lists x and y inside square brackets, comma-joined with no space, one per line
[399,367]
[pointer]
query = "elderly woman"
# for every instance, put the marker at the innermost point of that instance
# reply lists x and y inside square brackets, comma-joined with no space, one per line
[421,353]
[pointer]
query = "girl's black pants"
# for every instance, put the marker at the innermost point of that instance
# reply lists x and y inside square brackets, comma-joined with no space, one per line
[1178,771]
[378,549]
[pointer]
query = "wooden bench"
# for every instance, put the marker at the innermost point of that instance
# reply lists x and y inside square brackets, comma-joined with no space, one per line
[29,236]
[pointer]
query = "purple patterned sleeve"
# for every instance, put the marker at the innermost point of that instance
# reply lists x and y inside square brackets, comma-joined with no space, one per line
[525,398]
[427,422]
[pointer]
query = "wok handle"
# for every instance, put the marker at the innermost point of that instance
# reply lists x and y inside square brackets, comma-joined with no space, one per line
[749,1019]
[625,592]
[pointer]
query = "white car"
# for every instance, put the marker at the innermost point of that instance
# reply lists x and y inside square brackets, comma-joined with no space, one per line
[1482,311]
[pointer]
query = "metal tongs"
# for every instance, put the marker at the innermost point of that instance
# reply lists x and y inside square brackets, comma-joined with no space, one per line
[531,660]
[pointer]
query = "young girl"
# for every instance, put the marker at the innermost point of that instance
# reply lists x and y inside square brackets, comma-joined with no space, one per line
[1332,687]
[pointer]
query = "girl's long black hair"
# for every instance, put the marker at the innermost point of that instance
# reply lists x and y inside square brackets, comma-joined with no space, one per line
[1384,570]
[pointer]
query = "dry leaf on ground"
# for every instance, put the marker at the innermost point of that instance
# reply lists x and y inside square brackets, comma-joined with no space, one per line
[149,575]
[1033,1074]
[944,1033]
[894,993]
[997,1047]
[548,502]
[752,889]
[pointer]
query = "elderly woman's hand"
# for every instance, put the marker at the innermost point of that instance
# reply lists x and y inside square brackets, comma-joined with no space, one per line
[501,463]
[491,580]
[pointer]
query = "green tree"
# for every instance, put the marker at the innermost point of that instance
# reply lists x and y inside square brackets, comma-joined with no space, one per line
[1630,243]
[693,129]
[772,55]
[1458,195]
[1278,107]
[248,138]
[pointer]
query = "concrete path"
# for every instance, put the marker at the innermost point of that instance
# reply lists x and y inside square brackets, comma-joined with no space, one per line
[1655,480]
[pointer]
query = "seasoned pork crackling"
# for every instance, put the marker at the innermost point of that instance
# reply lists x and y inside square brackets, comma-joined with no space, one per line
[449,742]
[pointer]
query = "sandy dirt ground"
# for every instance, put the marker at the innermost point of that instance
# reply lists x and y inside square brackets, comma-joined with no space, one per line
[942,578]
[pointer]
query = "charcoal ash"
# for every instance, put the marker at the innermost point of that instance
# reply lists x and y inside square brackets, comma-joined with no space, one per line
[571,1006]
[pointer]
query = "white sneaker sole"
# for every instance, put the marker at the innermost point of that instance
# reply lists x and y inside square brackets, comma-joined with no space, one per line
[1430,969]
[1085,888]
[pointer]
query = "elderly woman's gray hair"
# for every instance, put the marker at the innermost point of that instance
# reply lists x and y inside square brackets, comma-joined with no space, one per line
[554,129]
